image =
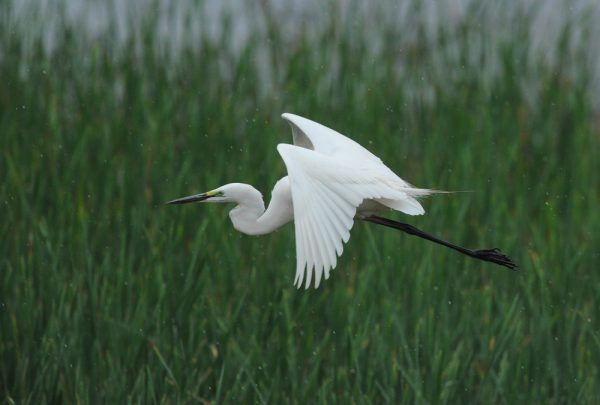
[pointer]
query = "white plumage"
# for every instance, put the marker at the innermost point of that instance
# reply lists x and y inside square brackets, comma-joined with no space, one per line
[331,181]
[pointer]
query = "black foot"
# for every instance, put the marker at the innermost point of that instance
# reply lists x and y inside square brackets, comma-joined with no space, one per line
[494,256]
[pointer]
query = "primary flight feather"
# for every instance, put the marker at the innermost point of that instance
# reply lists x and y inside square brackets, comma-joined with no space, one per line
[332,180]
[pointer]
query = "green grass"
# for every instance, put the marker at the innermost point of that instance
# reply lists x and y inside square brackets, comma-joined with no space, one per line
[107,295]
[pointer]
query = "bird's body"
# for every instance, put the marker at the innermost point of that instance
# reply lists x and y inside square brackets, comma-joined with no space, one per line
[331,181]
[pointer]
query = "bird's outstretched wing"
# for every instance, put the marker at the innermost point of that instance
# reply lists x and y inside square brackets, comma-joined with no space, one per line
[309,134]
[312,135]
[326,192]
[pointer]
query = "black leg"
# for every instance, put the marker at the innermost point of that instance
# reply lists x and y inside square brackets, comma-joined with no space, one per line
[488,255]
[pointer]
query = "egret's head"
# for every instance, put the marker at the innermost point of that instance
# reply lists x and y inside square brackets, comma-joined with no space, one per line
[233,192]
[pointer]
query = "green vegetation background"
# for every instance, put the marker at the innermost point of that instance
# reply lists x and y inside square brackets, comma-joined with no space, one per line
[106,295]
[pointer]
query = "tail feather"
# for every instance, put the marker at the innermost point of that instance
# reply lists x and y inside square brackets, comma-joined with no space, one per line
[426,192]
[408,205]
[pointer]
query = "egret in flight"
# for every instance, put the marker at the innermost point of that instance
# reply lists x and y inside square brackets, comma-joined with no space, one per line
[331,181]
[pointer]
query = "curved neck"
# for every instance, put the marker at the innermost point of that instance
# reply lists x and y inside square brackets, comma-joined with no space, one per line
[250,217]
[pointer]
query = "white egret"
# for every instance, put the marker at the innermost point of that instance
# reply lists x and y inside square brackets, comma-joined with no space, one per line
[331,181]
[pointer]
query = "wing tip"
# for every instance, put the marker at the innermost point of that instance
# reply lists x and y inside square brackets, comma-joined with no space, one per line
[290,117]
[283,148]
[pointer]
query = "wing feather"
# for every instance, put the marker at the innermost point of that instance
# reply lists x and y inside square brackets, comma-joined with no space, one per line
[302,250]
[316,240]
[335,227]
[326,193]
[329,247]
[329,237]
[311,260]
